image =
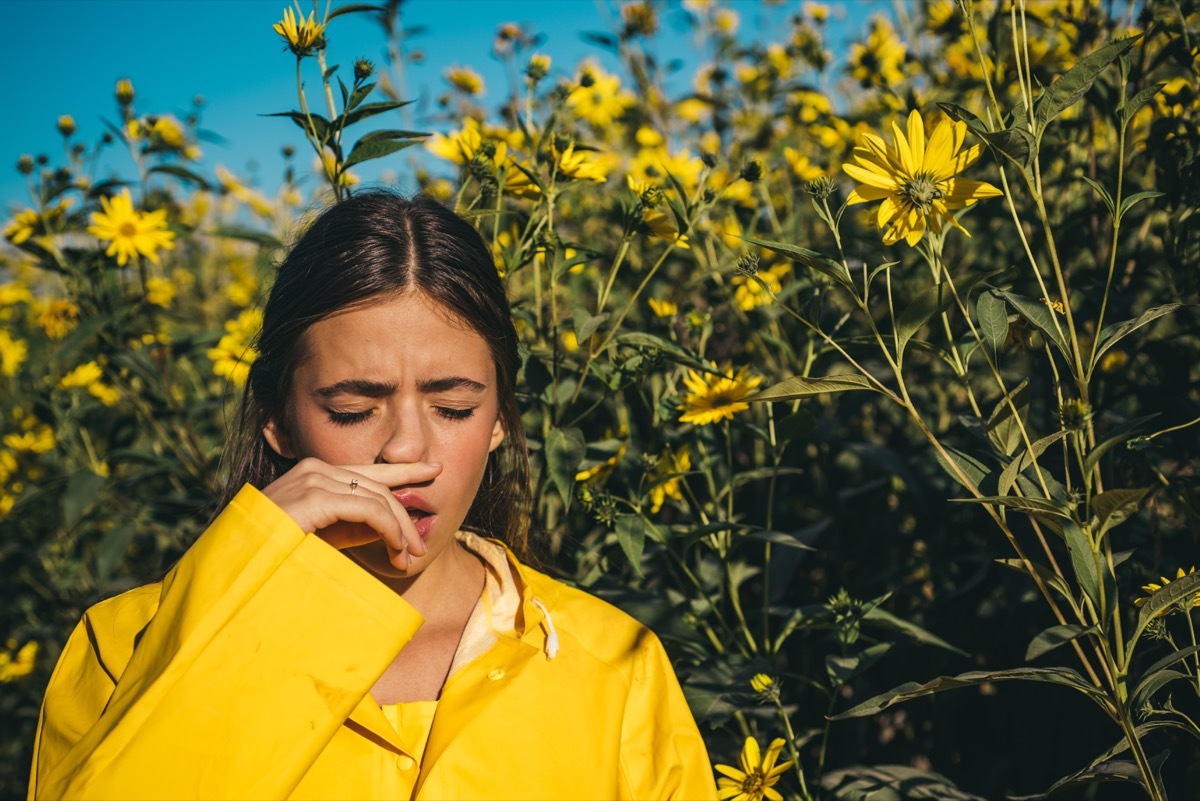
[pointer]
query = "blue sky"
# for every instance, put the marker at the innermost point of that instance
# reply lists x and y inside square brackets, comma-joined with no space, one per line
[65,56]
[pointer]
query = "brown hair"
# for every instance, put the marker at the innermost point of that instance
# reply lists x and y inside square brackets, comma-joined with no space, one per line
[369,246]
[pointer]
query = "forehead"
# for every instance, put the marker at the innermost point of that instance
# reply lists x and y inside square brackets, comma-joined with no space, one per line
[399,338]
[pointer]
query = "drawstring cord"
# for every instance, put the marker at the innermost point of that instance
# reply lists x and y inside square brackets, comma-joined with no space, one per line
[551,634]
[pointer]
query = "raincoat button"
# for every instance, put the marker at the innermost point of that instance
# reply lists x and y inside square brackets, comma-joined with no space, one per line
[404,762]
[496,674]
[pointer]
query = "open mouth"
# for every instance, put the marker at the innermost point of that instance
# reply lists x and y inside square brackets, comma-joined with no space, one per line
[416,513]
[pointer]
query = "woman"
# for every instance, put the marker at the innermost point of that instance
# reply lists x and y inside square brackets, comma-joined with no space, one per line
[392,653]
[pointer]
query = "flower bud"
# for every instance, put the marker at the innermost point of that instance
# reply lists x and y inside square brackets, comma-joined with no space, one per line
[820,188]
[753,170]
[124,91]
[363,69]
[66,125]
[539,67]
[25,164]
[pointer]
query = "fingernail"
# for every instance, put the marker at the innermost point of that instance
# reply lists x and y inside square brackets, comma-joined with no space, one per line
[434,464]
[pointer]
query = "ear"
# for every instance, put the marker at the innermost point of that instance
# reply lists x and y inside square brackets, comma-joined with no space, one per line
[278,439]
[497,435]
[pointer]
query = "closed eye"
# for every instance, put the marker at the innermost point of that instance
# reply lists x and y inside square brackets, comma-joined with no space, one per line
[348,418]
[453,413]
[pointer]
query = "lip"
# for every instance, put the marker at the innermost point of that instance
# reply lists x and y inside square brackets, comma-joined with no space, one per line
[415,502]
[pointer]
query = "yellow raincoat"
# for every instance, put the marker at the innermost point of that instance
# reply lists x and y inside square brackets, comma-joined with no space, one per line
[246,673]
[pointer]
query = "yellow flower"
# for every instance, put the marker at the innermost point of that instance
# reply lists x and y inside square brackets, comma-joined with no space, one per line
[663,308]
[661,226]
[19,666]
[88,376]
[58,317]
[301,37]
[1113,361]
[81,376]
[713,398]
[749,294]
[598,474]
[801,166]
[14,292]
[1152,588]
[570,341]
[168,131]
[878,62]
[758,775]
[599,98]
[584,165]
[465,80]
[30,223]
[257,202]
[66,125]
[761,682]
[124,91]
[6,504]
[916,180]
[458,146]
[130,231]
[12,353]
[38,439]
[8,466]
[234,354]
[667,473]
[726,21]
[160,292]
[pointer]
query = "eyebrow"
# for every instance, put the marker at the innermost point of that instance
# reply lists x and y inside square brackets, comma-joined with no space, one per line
[380,389]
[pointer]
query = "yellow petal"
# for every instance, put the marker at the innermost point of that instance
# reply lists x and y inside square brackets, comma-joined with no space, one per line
[903,151]
[916,139]
[870,178]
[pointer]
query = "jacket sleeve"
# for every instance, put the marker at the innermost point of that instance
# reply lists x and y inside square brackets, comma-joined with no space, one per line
[662,753]
[263,642]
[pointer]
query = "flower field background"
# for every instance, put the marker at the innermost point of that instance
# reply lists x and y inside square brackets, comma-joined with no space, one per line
[855,395]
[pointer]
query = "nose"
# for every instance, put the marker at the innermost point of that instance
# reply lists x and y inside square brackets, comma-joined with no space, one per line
[408,437]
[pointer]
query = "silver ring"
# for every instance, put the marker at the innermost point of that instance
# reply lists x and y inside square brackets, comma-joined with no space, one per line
[353,485]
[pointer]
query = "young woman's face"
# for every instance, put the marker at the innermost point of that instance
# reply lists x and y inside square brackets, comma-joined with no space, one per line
[400,380]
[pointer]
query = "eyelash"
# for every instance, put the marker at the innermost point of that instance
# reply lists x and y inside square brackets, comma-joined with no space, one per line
[351,418]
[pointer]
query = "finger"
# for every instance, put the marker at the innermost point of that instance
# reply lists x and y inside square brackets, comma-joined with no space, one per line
[397,475]
[408,540]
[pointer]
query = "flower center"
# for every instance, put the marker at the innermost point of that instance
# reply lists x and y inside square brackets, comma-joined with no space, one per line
[127,229]
[753,785]
[922,190]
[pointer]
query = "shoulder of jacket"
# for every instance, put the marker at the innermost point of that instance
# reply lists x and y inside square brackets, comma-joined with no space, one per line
[606,632]
[115,624]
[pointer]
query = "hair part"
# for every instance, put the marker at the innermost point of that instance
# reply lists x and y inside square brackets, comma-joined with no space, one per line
[374,245]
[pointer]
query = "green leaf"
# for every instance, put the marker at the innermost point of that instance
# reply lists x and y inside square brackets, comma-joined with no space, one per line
[1133,104]
[890,783]
[1048,577]
[1052,675]
[353,8]
[1112,334]
[113,547]
[585,323]
[564,451]
[1015,467]
[992,315]
[842,669]
[1103,193]
[798,387]
[809,258]
[1149,685]
[1004,425]
[1085,562]
[879,617]
[378,148]
[1036,506]
[370,110]
[320,125]
[1055,636]
[975,470]
[1040,317]
[81,491]
[1016,144]
[1107,771]
[631,534]
[1071,85]
[637,339]
[1114,507]
[929,303]
[359,95]
[1134,199]
[183,173]
[1122,433]
[248,235]
[392,133]
[1160,601]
